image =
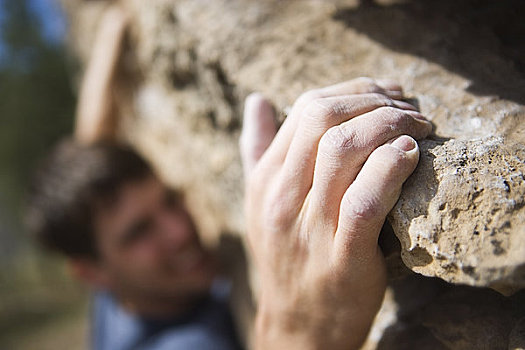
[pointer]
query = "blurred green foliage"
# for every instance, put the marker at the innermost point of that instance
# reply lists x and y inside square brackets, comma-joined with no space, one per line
[36,109]
[36,103]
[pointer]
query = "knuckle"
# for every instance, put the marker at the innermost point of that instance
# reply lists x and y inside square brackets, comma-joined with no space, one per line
[387,111]
[321,111]
[368,85]
[394,160]
[380,99]
[363,210]
[338,141]
[400,121]
[396,118]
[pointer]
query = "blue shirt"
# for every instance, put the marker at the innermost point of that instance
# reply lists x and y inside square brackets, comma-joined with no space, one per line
[208,326]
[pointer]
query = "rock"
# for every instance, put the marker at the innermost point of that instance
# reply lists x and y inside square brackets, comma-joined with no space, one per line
[460,218]
[462,214]
[464,319]
[190,63]
[398,325]
[427,313]
[517,336]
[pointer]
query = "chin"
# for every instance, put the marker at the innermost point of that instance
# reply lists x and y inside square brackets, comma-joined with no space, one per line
[199,281]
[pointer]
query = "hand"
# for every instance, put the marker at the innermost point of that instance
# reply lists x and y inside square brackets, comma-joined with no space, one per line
[316,199]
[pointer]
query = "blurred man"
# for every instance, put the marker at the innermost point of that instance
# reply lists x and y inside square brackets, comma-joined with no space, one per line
[131,239]
[317,195]
[125,233]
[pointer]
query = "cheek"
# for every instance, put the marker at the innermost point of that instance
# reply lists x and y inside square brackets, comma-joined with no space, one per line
[140,261]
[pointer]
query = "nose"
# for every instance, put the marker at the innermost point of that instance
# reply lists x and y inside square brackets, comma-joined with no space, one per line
[176,229]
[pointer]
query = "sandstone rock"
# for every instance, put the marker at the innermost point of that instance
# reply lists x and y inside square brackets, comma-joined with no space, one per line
[199,68]
[517,336]
[462,214]
[427,313]
[190,63]
[463,319]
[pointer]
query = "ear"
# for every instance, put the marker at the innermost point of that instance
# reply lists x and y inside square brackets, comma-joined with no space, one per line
[90,272]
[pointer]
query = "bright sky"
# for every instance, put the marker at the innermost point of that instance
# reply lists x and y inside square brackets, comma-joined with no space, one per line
[49,15]
[51,18]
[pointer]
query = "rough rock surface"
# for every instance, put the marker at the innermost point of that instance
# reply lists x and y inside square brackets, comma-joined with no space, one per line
[190,63]
[460,217]
[426,313]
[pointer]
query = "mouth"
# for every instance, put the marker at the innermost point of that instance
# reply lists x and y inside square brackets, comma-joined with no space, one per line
[191,260]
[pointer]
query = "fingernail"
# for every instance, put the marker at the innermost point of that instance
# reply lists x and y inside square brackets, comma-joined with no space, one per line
[418,115]
[404,105]
[252,98]
[404,143]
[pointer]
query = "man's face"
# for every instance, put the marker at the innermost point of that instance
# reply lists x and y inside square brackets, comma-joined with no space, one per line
[148,245]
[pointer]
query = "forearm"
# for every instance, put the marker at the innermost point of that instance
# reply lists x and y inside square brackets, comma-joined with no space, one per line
[95,115]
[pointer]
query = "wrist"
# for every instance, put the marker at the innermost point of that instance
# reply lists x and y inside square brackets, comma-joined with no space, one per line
[277,328]
[302,325]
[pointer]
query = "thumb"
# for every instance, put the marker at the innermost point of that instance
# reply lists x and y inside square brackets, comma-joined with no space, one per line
[258,130]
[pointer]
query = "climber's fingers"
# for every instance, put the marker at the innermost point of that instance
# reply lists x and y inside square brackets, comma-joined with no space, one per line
[289,129]
[371,196]
[344,148]
[351,127]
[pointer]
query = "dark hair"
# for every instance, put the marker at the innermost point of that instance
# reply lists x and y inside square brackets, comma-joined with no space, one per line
[68,186]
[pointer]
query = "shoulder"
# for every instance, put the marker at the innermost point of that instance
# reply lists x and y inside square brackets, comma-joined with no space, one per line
[211,328]
[191,337]
[112,327]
